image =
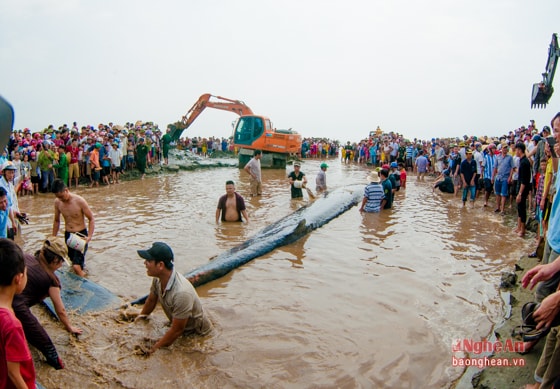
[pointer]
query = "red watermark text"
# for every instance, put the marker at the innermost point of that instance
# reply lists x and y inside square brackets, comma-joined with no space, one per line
[482,353]
[485,346]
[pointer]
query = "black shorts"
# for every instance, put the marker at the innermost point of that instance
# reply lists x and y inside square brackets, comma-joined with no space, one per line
[76,256]
[35,179]
[477,183]
[105,171]
[488,186]
[480,183]
[514,188]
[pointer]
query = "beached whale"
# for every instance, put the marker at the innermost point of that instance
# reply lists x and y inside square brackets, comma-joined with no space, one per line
[285,231]
[83,295]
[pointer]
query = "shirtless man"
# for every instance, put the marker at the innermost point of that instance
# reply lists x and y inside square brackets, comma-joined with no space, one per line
[74,209]
[231,206]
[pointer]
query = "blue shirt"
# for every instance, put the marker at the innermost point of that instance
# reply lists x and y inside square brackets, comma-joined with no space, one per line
[489,162]
[4,223]
[553,234]
[504,166]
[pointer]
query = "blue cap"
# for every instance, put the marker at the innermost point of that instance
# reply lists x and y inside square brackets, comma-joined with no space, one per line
[394,164]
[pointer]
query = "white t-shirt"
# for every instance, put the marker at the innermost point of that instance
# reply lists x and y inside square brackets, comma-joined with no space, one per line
[255,167]
[479,159]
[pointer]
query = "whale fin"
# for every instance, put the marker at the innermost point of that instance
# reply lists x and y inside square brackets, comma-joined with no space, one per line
[301,227]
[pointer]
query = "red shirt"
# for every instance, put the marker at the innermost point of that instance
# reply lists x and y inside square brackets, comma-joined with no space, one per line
[13,348]
[74,152]
[403,176]
[58,142]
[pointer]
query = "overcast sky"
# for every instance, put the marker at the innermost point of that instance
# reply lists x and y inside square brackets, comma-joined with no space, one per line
[324,68]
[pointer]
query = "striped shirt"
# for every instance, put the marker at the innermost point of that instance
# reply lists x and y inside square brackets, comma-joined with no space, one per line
[409,151]
[489,162]
[374,195]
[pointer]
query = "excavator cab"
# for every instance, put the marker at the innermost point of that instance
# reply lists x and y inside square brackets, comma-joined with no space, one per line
[248,129]
[543,90]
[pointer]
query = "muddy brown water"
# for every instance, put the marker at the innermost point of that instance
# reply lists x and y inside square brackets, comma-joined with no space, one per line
[366,301]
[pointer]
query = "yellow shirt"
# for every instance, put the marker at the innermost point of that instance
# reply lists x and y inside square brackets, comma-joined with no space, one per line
[548,175]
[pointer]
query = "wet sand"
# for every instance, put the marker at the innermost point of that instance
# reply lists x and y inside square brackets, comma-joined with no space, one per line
[365,301]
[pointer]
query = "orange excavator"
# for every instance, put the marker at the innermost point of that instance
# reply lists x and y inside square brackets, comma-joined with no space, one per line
[542,91]
[251,132]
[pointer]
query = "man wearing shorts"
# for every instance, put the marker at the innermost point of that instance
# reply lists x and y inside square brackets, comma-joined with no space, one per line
[73,167]
[502,176]
[75,210]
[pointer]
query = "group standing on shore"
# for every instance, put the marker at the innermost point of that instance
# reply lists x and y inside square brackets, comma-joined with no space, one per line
[93,155]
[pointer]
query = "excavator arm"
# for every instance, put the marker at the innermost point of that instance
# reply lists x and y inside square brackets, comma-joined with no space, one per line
[543,90]
[223,103]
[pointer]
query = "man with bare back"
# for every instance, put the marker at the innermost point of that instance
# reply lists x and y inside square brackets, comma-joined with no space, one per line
[75,210]
[231,206]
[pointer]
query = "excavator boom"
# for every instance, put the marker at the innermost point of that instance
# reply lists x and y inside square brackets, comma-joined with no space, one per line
[223,103]
[543,90]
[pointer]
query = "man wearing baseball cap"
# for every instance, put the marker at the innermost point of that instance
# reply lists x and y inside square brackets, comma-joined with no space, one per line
[297,181]
[7,182]
[176,294]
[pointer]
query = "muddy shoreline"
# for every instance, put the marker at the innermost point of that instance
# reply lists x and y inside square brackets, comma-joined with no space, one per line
[509,377]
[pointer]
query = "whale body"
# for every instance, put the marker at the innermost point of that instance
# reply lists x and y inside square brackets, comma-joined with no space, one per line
[285,231]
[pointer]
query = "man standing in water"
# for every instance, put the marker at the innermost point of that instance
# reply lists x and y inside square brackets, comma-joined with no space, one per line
[231,205]
[297,177]
[142,157]
[468,177]
[253,167]
[176,294]
[321,179]
[421,166]
[75,210]
[374,198]
[166,142]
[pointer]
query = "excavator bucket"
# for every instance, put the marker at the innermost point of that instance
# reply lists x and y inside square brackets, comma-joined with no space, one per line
[541,95]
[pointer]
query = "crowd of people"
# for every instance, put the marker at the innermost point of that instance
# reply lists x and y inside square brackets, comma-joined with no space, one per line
[94,155]
[520,169]
[513,167]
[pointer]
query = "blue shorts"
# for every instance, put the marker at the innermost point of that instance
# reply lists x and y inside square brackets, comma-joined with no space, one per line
[501,188]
